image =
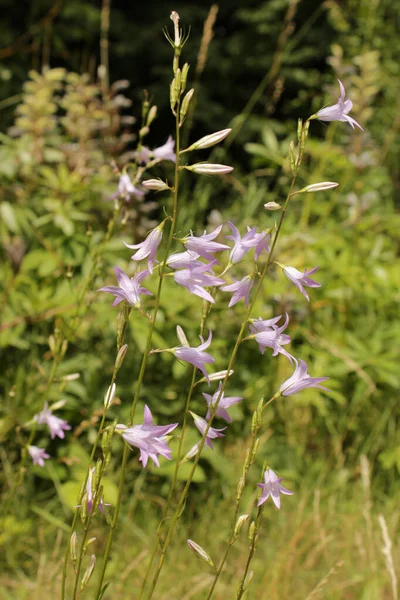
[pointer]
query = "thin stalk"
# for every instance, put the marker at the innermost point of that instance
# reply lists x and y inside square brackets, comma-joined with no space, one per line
[239,339]
[252,550]
[146,351]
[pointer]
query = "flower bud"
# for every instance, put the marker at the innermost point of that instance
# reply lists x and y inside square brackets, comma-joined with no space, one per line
[89,571]
[252,529]
[97,476]
[155,184]
[109,397]
[292,158]
[299,129]
[209,140]
[318,187]
[181,336]
[72,546]
[151,115]
[209,169]
[185,106]
[200,552]
[239,523]
[120,356]
[174,16]
[240,488]
[272,206]
[247,580]
[185,71]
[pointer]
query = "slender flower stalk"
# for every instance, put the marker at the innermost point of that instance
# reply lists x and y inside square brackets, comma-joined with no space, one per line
[182,499]
[149,335]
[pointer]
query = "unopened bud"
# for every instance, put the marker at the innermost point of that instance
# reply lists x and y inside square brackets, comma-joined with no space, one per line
[239,524]
[84,507]
[72,546]
[299,129]
[89,571]
[247,580]
[272,206]
[252,529]
[177,35]
[152,115]
[185,71]
[319,187]
[155,184]
[109,397]
[254,452]
[220,375]
[209,169]
[120,356]
[209,140]
[172,95]
[181,336]
[200,552]
[144,131]
[57,405]
[185,105]
[98,473]
[240,488]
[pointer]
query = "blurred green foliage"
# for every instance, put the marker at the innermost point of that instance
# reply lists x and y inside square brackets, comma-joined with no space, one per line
[61,235]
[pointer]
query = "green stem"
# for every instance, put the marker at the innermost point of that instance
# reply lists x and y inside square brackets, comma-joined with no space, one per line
[252,550]
[147,349]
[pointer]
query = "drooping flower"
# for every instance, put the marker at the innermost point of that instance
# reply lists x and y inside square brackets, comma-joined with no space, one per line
[338,111]
[241,289]
[57,426]
[263,244]
[166,151]
[149,439]
[223,404]
[300,380]
[196,278]
[126,189]
[147,248]
[38,455]
[272,487]
[242,245]
[301,280]
[203,245]
[196,356]
[182,260]
[129,288]
[267,334]
[212,433]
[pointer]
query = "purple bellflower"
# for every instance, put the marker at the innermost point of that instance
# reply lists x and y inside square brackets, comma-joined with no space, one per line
[301,280]
[147,248]
[338,111]
[126,189]
[149,439]
[268,334]
[241,289]
[212,433]
[223,404]
[196,356]
[242,245]
[203,245]
[129,289]
[272,487]
[195,279]
[56,426]
[183,260]
[300,380]
[166,151]
[38,455]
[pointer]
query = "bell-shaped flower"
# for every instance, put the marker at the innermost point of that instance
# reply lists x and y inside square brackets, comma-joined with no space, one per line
[129,288]
[196,278]
[300,380]
[263,244]
[149,439]
[272,487]
[126,189]
[196,356]
[212,433]
[338,111]
[272,336]
[147,248]
[241,289]
[56,426]
[183,260]
[166,151]
[203,245]
[38,455]
[223,404]
[301,280]
[242,245]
